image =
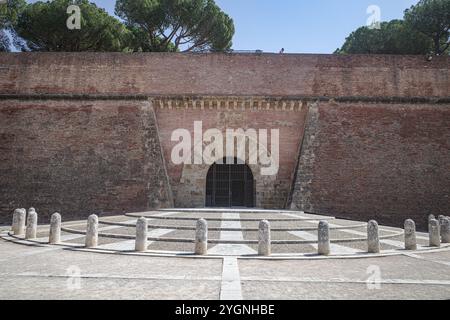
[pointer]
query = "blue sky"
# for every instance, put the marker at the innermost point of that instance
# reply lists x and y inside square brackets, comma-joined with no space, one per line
[305,26]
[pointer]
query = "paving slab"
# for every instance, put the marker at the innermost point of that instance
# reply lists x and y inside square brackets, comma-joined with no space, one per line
[33,270]
[340,291]
[391,267]
[54,288]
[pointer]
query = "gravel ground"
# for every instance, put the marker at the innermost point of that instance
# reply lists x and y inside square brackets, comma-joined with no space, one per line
[187,223]
[278,224]
[78,227]
[190,234]
[101,240]
[275,235]
[288,248]
[343,222]
[173,246]
[122,230]
[117,218]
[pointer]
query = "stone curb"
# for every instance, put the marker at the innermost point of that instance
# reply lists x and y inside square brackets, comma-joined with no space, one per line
[224,219]
[150,226]
[217,241]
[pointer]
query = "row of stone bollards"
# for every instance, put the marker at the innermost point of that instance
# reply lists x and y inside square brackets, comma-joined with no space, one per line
[29,228]
[23,225]
[27,225]
[439,231]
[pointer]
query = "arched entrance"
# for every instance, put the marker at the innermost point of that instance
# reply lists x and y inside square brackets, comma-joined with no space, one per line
[230,185]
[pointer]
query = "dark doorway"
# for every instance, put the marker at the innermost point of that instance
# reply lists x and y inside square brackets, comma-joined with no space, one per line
[230,185]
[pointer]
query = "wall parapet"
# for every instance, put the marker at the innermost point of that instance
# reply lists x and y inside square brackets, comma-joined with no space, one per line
[224,74]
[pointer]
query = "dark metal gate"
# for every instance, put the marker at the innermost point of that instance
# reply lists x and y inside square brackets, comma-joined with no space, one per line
[230,185]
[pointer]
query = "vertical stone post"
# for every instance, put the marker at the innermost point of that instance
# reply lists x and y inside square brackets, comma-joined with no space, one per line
[14,220]
[323,244]
[19,218]
[201,237]
[441,219]
[410,235]
[445,230]
[92,231]
[434,233]
[373,241]
[264,241]
[31,225]
[430,217]
[54,237]
[141,235]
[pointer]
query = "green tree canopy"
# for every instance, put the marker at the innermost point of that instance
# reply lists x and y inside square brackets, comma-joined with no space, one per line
[425,29]
[432,18]
[394,37]
[172,25]
[9,10]
[42,26]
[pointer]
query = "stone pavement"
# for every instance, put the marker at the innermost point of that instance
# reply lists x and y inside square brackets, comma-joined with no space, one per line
[35,270]
[43,273]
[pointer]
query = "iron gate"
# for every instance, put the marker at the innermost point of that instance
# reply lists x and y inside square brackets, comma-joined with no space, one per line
[230,185]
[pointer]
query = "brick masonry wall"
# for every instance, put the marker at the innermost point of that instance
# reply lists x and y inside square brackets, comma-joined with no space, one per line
[188,182]
[376,161]
[359,160]
[224,74]
[80,157]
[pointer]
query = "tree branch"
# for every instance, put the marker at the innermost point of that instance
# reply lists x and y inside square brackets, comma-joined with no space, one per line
[196,45]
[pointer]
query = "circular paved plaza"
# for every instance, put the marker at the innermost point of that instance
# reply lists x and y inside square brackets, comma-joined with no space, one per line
[232,268]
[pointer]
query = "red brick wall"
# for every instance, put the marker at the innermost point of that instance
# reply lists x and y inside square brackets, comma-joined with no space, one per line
[290,123]
[79,157]
[224,74]
[359,160]
[376,161]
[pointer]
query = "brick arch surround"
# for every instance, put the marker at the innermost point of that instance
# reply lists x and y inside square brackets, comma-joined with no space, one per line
[188,180]
[190,190]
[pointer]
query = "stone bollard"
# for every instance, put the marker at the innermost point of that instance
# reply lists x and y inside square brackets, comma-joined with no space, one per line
[92,231]
[323,244]
[31,225]
[410,235]
[441,219]
[434,233]
[201,237]
[373,241]
[430,217]
[141,235]
[264,241]
[445,230]
[54,237]
[14,220]
[19,218]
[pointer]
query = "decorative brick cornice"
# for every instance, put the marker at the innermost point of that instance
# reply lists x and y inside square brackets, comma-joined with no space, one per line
[228,103]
